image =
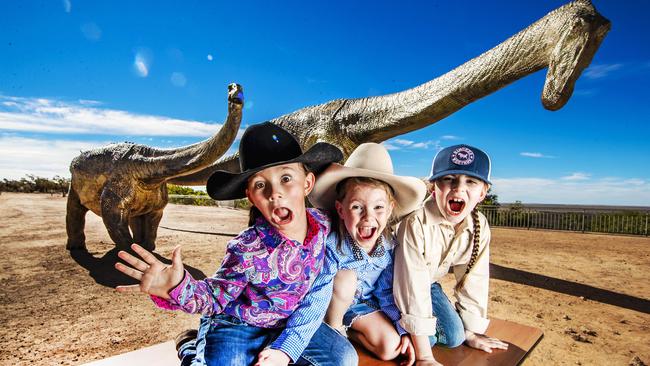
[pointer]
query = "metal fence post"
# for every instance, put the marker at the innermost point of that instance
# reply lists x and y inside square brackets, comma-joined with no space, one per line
[646,223]
[583,221]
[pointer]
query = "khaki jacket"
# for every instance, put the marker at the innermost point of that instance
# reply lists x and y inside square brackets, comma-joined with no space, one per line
[428,247]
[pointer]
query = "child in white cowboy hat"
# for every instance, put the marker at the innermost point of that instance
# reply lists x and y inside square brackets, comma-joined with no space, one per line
[249,305]
[366,198]
[447,233]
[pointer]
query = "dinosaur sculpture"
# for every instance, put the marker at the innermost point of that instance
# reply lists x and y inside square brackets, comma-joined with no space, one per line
[565,41]
[125,183]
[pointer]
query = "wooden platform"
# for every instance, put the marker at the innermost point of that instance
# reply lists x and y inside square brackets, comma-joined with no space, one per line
[521,339]
[163,354]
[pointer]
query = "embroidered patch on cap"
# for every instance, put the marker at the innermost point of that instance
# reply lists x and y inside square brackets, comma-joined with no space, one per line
[276,139]
[462,156]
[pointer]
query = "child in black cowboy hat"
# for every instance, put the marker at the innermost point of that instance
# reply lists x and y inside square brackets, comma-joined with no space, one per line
[248,305]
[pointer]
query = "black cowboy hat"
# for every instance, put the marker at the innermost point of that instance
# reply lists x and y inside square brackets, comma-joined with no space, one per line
[263,146]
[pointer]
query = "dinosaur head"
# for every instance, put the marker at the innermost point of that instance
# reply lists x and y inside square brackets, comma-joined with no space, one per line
[235,94]
[580,37]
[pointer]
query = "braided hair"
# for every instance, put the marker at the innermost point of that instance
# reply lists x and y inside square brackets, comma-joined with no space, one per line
[475,246]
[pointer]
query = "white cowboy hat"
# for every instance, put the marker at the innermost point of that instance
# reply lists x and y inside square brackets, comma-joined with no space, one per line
[369,160]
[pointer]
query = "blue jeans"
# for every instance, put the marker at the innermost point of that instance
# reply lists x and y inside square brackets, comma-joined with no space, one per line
[234,343]
[356,311]
[450,331]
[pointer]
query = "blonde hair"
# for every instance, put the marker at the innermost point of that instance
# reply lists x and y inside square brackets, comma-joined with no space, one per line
[341,190]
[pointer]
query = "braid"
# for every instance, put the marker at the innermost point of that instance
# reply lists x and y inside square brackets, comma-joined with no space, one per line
[475,244]
[477,239]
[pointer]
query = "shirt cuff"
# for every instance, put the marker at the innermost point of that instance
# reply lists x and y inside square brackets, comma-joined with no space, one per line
[474,323]
[291,346]
[418,325]
[175,294]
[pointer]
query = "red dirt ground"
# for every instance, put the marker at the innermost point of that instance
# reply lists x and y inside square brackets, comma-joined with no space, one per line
[589,293]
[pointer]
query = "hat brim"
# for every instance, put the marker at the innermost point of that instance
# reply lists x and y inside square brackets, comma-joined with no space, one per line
[409,191]
[223,185]
[454,171]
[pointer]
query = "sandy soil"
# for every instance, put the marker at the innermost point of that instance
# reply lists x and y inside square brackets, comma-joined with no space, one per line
[589,293]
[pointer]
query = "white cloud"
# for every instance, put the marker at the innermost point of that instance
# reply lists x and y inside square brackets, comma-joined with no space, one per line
[398,144]
[52,116]
[403,142]
[20,156]
[603,191]
[141,65]
[449,137]
[601,71]
[389,146]
[536,155]
[577,176]
[67,6]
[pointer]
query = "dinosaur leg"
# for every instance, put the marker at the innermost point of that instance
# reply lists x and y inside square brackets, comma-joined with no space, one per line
[150,228]
[137,228]
[75,220]
[116,219]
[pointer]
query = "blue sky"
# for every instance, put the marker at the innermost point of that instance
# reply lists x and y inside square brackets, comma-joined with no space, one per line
[80,74]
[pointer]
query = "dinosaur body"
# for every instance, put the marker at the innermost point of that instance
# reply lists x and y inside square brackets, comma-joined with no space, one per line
[564,41]
[125,183]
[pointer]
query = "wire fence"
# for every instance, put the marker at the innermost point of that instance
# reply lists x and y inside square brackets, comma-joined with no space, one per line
[611,221]
[630,222]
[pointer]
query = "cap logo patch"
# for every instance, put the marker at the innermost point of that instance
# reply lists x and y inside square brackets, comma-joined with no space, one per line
[462,156]
[275,138]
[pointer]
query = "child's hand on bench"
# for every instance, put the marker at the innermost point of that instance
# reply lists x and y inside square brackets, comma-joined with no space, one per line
[156,278]
[483,342]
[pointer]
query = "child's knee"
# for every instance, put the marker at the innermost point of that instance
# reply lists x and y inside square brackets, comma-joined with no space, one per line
[345,285]
[454,338]
[387,350]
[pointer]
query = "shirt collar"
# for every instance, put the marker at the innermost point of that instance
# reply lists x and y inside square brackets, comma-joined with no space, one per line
[271,237]
[358,253]
[434,217]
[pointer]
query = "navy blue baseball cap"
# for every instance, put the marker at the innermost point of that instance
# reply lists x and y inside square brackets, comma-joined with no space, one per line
[461,159]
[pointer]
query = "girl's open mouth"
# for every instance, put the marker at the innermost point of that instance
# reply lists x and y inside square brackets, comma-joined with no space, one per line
[366,232]
[456,205]
[282,216]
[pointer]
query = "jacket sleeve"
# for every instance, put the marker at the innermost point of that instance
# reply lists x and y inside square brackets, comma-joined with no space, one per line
[213,294]
[412,281]
[383,292]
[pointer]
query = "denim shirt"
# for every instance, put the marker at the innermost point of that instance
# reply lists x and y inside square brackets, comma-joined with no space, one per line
[374,272]
[375,282]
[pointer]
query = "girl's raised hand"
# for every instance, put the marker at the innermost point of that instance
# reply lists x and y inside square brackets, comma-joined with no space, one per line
[156,278]
[483,342]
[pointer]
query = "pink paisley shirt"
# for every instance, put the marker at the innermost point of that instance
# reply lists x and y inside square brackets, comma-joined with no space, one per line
[262,279]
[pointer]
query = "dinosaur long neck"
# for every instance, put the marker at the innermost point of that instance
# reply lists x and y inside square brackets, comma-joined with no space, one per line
[189,159]
[522,54]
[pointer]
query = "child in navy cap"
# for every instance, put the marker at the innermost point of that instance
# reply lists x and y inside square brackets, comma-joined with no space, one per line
[447,233]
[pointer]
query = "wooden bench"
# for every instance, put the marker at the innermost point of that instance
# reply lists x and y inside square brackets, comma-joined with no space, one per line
[521,338]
